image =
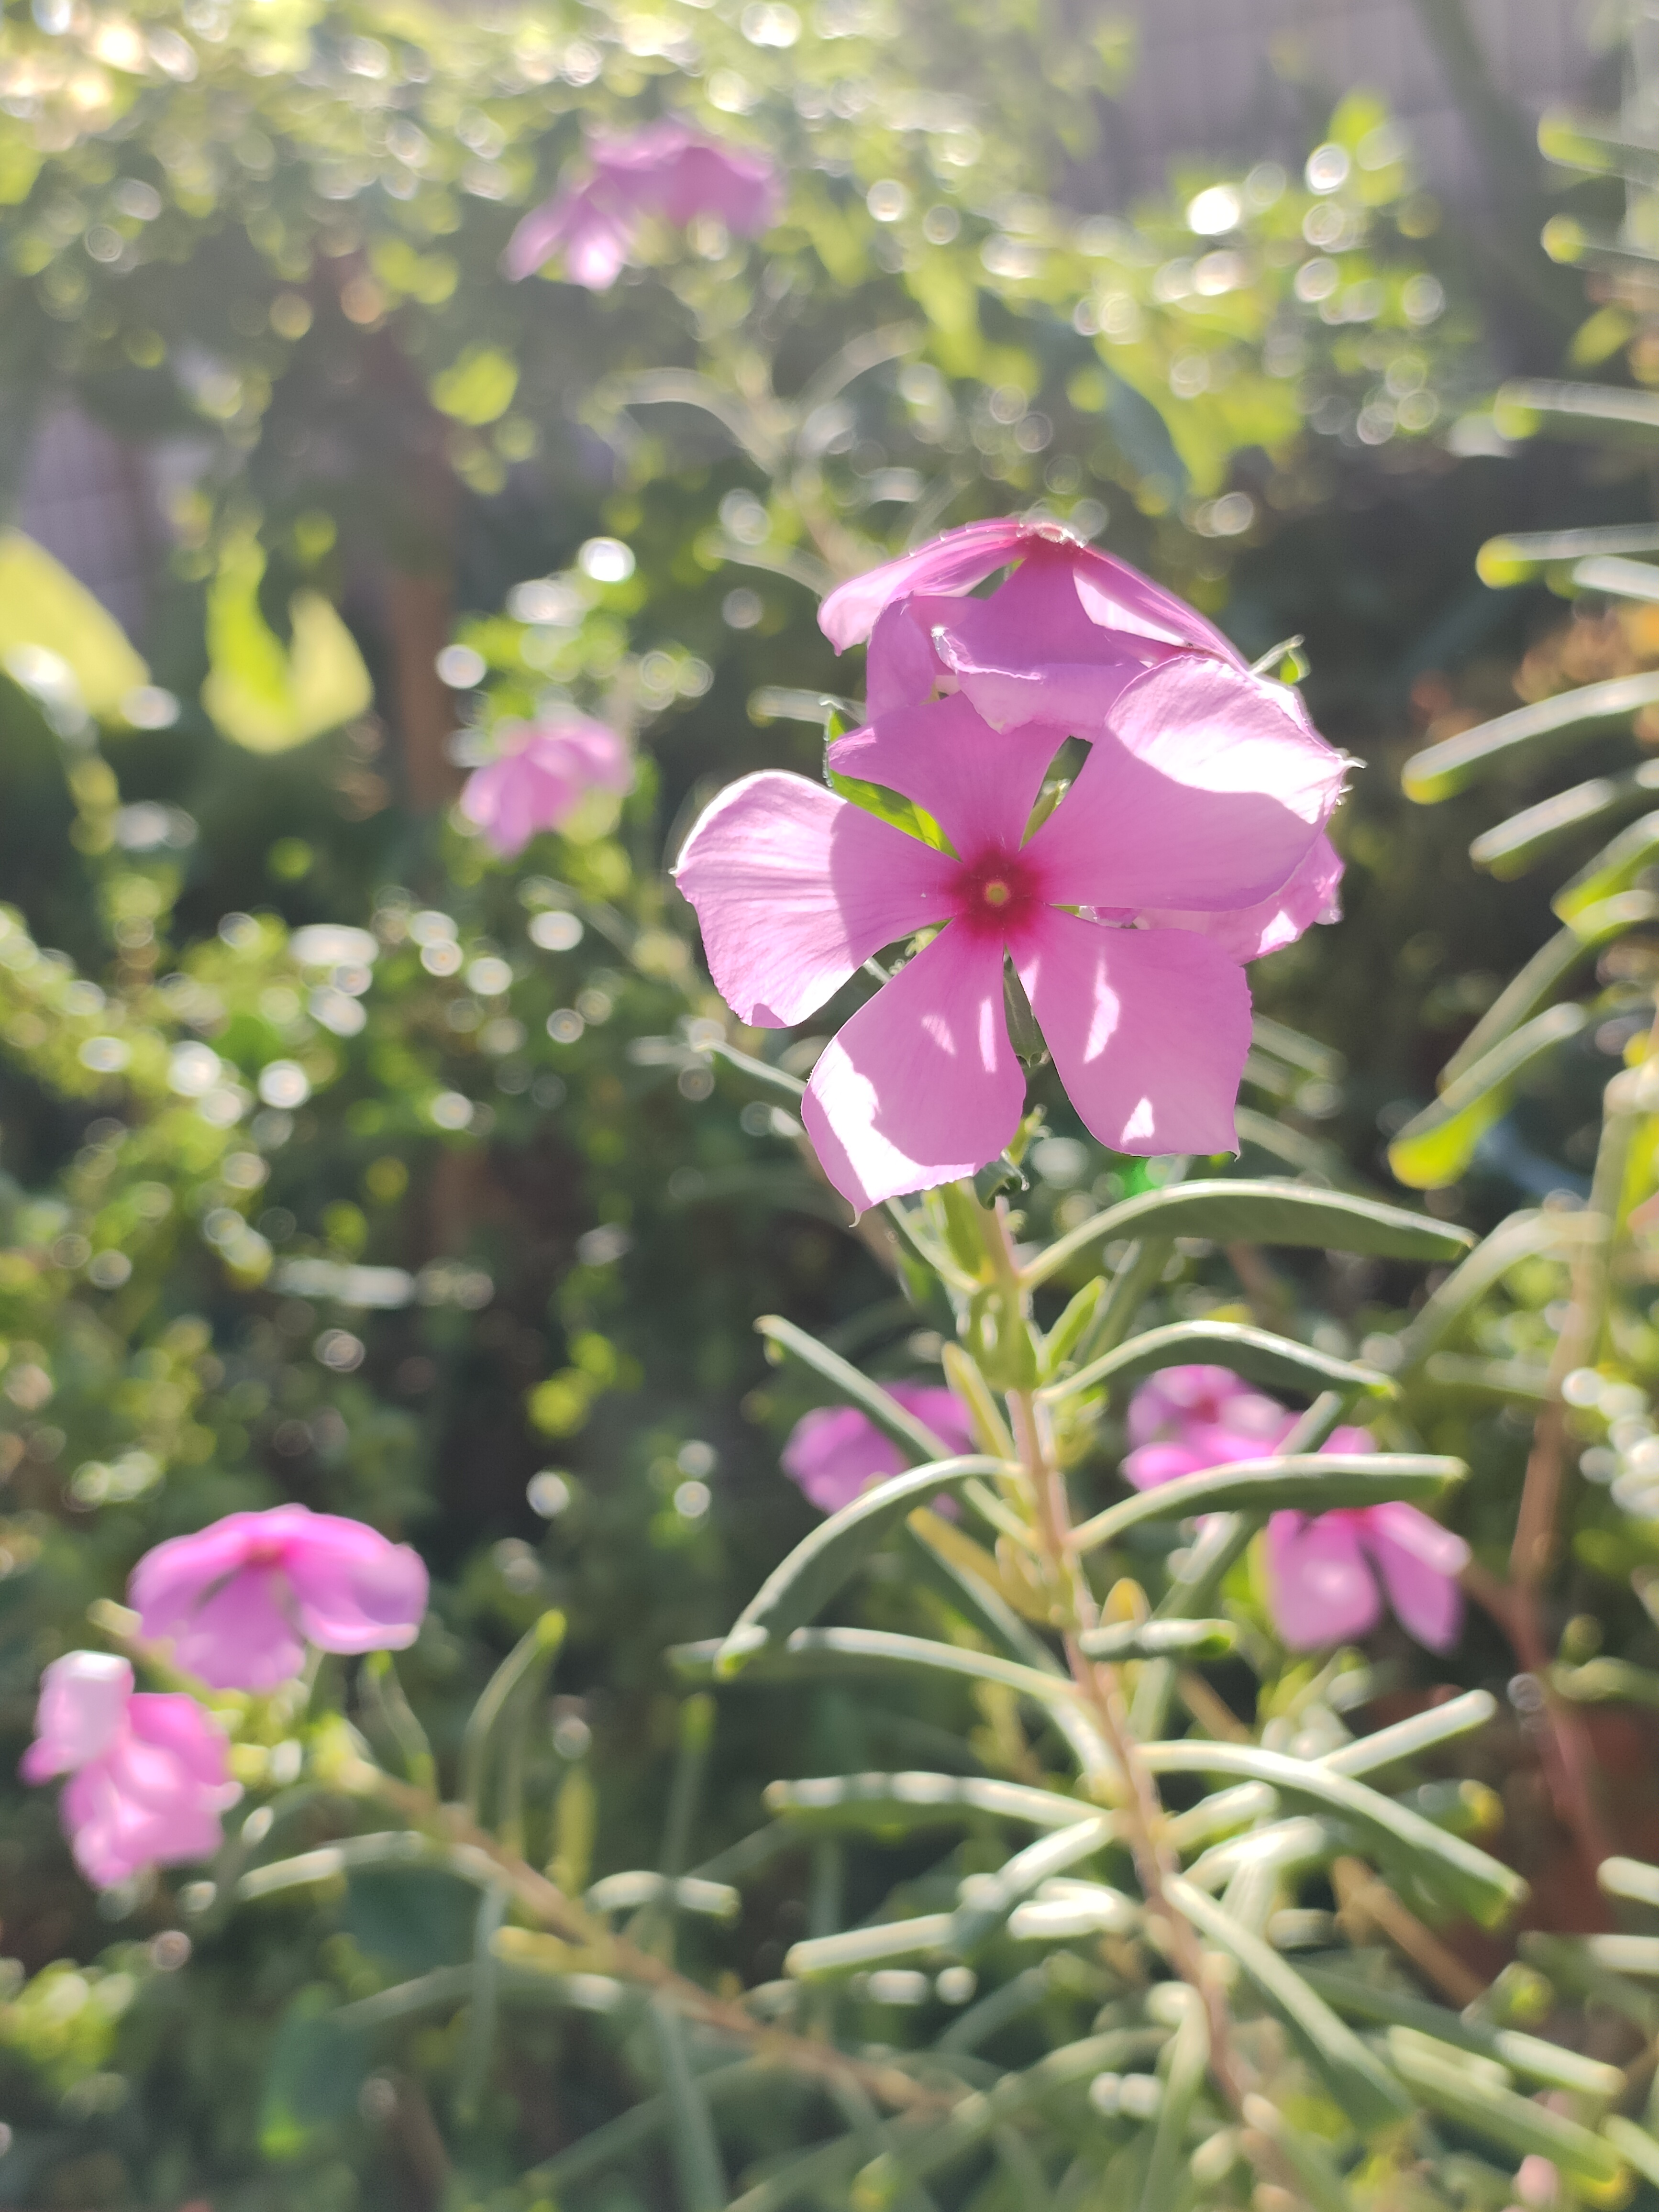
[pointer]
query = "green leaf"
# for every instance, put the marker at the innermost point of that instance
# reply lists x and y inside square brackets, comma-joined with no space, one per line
[619,2137]
[1632,1878]
[1634,2144]
[893,1806]
[1516,2124]
[1230,1213]
[1188,2068]
[1526,405]
[1435,1147]
[43,609]
[1255,1353]
[942,1556]
[261,695]
[477,388]
[1517,1238]
[1548,972]
[1528,2054]
[1577,143]
[986,1899]
[1412,1737]
[483,1994]
[524,1668]
[829,1958]
[1518,559]
[1194,1641]
[312,2077]
[1618,578]
[1487,1890]
[1512,847]
[819,1565]
[639,1887]
[912,1436]
[1362,2087]
[889,806]
[698,2164]
[1510,741]
[761,1072]
[1614,869]
[1310,1482]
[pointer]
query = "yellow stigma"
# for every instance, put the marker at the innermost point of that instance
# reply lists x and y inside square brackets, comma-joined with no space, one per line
[997,894]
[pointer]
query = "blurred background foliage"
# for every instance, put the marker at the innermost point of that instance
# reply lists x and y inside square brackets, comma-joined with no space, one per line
[343,1162]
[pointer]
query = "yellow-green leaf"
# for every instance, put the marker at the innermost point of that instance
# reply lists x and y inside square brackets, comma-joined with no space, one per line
[260,694]
[42,605]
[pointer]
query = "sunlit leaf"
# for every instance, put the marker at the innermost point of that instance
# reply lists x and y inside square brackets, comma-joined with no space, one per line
[43,609]
[264,696]
[1435,1147]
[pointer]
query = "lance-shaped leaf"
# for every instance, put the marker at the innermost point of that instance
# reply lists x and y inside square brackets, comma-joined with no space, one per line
[1520,558]
[1362,2085]
[1311,1482]
[1634,2144]
[617,2138]
[1192,1640]
[815,1652]
[1435,1147]
[821,1563]
[1614,869]
[1256,1353]
[1547,973]
[1411,1738]
[640,1886]
[892,1806]
[1547,727]
[1619,578]
[1486,1889]
[1189,2061]
[1239,1213]
[761,1072]
[830,1958]
[1515,1239]
[1360,1998]
[1577,143]
[1514,2123]
[697,2163]
[1633,1880]
[954,1567]
[1513,847]
[1528,404]
[911,1435]
[986,1899]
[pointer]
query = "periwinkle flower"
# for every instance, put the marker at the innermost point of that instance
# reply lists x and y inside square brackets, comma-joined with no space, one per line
[148,1773]
[541,775]
[241,1599]
[1204,798]
[1327,1572]
[835,1452]
[667,169]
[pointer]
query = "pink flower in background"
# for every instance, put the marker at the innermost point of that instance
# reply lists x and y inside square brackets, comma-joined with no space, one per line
[1206,797]
[1324,1569]
[149,1775]
[1324,1574]
[543,772]
[240,1600]
[667,169]
[835,1452]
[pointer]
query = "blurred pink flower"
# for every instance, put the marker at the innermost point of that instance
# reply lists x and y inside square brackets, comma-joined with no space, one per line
[543,772]
[241,1599]
[1204,798]
[149,1775]
[667,169]
[835,1452]
[1324,1568]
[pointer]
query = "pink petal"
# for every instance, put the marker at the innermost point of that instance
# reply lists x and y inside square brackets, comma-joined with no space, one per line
[1323,1592]
[1420,1563]
[1118,597]
[1149,1028]
[937,1409]
[593,239]
[243,1637]
[955,562]
[902,668]
[1149,1465]
[794,889]
[1209,799]
[979,784]
[921,1086]
[356,1591]
[1176,1399]
[83,1710]
[1310,895]
[177,1728]
[835,1452]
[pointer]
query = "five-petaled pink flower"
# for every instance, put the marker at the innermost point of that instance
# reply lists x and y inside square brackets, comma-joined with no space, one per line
[241,1599]
[148,1774]
[1323,1569]
[540,776]
[667,169]
[835,1452]
[1200,799]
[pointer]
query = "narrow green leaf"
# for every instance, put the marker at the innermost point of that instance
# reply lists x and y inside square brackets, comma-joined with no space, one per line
[1314,2167]
[1486,1889]
[1632,1878]
[1545,726]
[1518,559]
[824,1561]
[484,1990]
[1192,1640]
[890,1417]
[1256,1353]
[1435,1147]
[1527,403]
[1311,1157]
[1189,2061]
[698,2164]
[1513,847]
[1619,578]
[889,806]
[1312,1482]
[891,1806]
[1528,2054]
[525,1664]
[1062,1338]
[761,1072]
[1488,1378]
[1411,1738]
[1361,2085]
[1239,1213]
[826,1957]
[639,1887]
[1514,2123]
[1518,1237]
[1614,869]
[1547,973]
[1296,1050]
[1634,2144]
[932,1543]
[986,1899]
[1578,144]
[617,2139]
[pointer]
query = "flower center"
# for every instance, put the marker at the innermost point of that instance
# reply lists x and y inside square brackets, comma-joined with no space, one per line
[993,889]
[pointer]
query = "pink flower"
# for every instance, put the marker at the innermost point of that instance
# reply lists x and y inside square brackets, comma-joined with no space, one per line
[541,777]
[149,1775]
[1324,1589]
[1205,797]
[241,1599]
[834,1452]
[668,170]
